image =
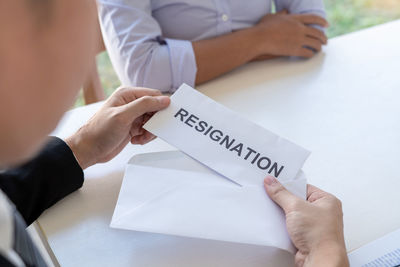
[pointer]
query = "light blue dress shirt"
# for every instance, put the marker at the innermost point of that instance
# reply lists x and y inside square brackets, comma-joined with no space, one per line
[149,41]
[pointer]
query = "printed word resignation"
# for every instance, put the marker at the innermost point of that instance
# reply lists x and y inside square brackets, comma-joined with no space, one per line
[247,153]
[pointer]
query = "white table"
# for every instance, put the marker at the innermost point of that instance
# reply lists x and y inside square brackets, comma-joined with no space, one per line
[343,105]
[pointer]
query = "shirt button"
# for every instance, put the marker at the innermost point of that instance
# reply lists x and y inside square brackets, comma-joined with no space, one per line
[225,17]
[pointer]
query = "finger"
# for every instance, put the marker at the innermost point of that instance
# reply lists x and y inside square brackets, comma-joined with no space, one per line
[145,104]
[316,34]
[299,259]
[147,137]
[135,140]
[313,43]
[304,52]
[136,129]
[312,189]
[143,142]
[143,139]
[147,117]
[137,125]
[129,94]
[311,19]
[264,57]
[314,193]
[138,91]
[279,194]
[140,138]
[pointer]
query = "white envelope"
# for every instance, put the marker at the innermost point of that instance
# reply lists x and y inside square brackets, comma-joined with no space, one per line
[171,193]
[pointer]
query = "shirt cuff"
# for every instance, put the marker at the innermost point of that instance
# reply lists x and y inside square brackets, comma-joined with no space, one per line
[183,62]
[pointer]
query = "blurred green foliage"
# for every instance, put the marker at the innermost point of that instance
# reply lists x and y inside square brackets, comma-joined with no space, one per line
[344,16]
[351,15]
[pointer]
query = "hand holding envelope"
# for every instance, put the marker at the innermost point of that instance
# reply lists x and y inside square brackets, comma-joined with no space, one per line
[172,193]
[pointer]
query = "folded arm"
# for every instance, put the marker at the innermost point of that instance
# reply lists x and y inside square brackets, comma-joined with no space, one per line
[139,53]
[315,7]
[142,57]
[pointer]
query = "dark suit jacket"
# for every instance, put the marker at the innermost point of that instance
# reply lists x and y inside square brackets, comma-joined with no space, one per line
[37,185]
[40,183]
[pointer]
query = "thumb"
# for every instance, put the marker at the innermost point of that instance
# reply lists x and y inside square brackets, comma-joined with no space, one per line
[279,194]
[145,105]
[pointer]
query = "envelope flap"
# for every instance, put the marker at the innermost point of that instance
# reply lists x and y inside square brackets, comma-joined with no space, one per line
[174,160]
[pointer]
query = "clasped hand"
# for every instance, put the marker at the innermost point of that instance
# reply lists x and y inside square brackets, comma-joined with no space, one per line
[284,34]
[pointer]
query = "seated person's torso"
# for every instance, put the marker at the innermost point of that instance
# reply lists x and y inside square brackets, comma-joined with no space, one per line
[196,20]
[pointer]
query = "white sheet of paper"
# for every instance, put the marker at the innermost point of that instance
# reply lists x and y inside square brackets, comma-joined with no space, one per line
[216,136]
[171,193]
[382,252]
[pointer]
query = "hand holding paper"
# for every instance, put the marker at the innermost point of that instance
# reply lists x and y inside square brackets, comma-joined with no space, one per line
[171,193]
[229,144]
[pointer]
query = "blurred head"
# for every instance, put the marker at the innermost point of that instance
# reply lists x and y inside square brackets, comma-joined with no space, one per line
[46,47]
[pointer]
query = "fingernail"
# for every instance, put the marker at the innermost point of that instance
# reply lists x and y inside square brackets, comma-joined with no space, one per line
[269,180]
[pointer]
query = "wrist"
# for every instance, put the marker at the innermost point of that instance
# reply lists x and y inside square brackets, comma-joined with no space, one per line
[252,38]
[260,47]
[81,150]
[328,253]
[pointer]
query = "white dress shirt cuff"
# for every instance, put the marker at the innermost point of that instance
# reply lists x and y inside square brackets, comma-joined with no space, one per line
[183,62]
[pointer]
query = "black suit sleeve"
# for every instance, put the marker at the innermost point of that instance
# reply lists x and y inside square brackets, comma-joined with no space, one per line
[37,185]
